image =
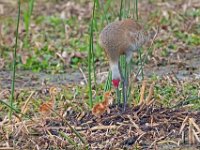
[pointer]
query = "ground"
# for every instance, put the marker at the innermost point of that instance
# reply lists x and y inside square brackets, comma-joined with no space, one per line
[53,52]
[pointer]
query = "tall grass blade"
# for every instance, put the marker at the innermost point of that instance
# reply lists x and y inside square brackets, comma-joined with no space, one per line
[15,110]
[121,10]
[89,77]
[139,50]
[108,82]
[91,59]
[127,8]
[101,6]
[65,136]
[109,78]
[92,43]
[141,63]
[27,19]
[14,62]
[71,127]
[136,8]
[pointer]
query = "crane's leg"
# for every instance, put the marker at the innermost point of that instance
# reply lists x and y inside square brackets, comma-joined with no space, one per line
[126,78]
[117,90]
[125,86]
[118,96]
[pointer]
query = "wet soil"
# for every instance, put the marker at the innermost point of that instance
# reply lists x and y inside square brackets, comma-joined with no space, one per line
[28,79]
[185,65]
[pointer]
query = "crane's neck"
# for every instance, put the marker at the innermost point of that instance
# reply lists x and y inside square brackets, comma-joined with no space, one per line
[115,74]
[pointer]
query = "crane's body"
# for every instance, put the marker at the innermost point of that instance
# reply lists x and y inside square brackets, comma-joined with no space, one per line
[118,38]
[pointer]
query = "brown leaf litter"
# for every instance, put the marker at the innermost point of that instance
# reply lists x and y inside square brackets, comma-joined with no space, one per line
[144,126]
[148,128]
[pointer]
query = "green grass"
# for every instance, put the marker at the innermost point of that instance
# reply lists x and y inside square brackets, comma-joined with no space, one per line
[14,63]
[13,109]
[48,38]
[27,19]
[91,57]
[52,34]
[188,38]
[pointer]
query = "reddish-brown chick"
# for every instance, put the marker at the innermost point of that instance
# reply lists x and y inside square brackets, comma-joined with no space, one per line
[46,108]
[100,108]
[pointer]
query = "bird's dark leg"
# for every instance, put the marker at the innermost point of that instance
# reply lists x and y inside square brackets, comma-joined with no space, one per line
[125,86]
[124,77]
[118,96]
[117,89]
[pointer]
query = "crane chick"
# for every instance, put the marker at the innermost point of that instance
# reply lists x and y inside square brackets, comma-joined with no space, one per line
[100,108]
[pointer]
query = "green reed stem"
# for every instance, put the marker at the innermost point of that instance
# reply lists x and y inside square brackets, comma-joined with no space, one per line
[14,61]
[27,19]
[91,59]
[65,136]
[108,82]
[136,10]
[121,8]
[141,63]
[92,43]
[104,12]
[139,50]
[109,78]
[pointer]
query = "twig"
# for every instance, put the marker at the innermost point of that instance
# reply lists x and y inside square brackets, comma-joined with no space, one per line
[168,141]
[102,127]
[81,115]
[195,135]
[159,139]
[142,90]
[183,124]
[71,128]
[6,148]
[190,133]
[24,107]
[84,76]
[151,91]
[135,125]
[194,124]
[154,37]
[140,137]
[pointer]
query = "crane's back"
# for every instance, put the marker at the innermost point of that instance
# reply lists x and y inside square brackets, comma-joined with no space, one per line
[119,36]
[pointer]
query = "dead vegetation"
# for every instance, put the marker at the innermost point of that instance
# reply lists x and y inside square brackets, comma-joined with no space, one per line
[143,126]
[146,128]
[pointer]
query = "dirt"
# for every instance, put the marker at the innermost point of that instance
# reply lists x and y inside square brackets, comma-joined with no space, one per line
[184,62]
[185,65]
[28,79]
[143,127]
